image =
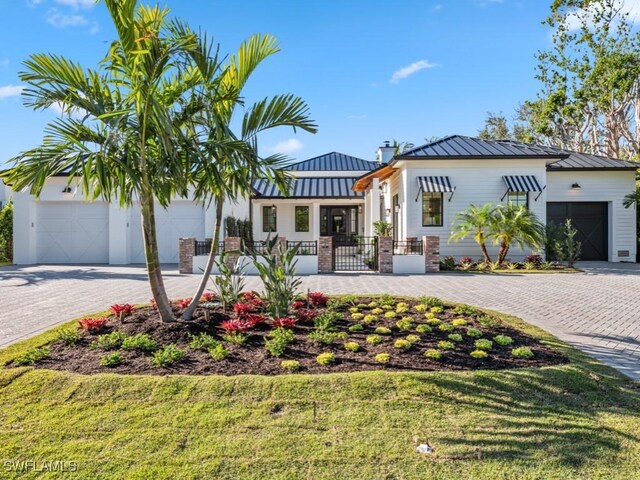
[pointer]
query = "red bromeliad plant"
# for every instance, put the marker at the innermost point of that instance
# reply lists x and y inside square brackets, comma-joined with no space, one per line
[243,309]
[298,304]
[208,297]
[122,310]
[91,324]
[183,302]
[306,314]
[255,319]
[235,326]
[284,322]
[318,299]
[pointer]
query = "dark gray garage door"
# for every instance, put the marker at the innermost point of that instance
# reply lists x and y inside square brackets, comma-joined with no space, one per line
[591,221]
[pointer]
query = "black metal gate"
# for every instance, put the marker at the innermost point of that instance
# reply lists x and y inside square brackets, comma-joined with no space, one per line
[355,253]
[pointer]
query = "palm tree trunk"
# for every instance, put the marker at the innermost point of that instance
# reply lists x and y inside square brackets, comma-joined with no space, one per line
[504,250]
[188,313]
[485,253]
[153,258]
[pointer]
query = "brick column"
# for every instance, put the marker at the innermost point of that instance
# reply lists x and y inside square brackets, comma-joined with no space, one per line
[232,244]
[431,249]
[385,254]
[186,251]
[325,255]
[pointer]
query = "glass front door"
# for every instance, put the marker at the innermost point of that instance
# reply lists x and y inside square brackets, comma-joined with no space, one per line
[338,221]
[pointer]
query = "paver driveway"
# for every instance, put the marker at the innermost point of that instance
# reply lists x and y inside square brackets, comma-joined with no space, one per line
[597,311]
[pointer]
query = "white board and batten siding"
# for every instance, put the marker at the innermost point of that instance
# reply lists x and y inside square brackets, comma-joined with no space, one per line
[476,182]
[601,186]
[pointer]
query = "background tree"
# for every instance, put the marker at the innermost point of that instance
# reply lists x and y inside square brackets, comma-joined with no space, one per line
[6,232]
[122,135]
[495,128]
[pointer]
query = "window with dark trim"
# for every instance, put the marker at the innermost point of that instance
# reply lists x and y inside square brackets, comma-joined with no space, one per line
[518,199]
[302,219]
[269,218]
[432,209]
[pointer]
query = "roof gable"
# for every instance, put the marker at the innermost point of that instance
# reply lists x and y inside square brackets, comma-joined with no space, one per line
[333,161]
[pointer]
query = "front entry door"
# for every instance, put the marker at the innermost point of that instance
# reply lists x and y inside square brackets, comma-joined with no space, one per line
[339,221]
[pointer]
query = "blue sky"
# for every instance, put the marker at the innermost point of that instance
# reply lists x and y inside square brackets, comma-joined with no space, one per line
[370,70]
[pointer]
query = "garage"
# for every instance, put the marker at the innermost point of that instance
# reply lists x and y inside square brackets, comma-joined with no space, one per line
[591,221]
[180,219]
[72,232]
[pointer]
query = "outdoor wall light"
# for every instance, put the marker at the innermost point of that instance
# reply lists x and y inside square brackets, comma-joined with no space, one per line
[383,187]
[273,208]
[396,209]
[387,211]
[359,208]
[66,189]
[576,186]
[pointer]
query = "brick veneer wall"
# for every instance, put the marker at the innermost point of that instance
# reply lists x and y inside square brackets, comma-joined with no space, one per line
[232,244]
[385,254]
[431,248]
[325,255]
[186,251]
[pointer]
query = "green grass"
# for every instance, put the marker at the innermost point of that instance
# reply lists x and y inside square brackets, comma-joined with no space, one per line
[575,421]
[5,264]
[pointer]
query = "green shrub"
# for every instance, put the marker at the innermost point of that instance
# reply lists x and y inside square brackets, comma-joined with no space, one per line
[342,336]
[373,305]
[479,354]
[446,327]
[32,356]
[455,337]
[386,308]
[349,299]
[351,346]
[332,304]
[326,320]
[353,310]
[503,340]
[356,328]
[290,365]
[429,315]
[6,231]
[464,309]
[387,300]
[423,328]
[277,344]
[236,338]
[420,308]
[522,352]
[433,354]
[377,311]
[111,360]
[322,336]
[109,341]
[413,338]
[69,336]
[383,331]
[474,332]
[446,345]
[374,339]
[431,301]
[383,358]
[370,318]
[166,356]
[489,322]
[218,353]
[405,324]
[390,314]
[483,344]
[436,310]
[402,307]
[459,322]
[139,341]
[326,358]
[402,344]
[202,341]
[434,322]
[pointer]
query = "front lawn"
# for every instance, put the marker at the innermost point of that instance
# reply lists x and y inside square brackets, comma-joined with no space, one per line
[570,421]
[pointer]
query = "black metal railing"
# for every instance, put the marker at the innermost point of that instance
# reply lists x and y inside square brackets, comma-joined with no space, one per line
[407,247]
[356,253]
[203,247]
[257,247]
[304,247]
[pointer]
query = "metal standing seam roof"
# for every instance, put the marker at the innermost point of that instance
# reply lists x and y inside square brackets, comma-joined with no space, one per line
[522,183]
[459,146]
[333,161]
[310,187]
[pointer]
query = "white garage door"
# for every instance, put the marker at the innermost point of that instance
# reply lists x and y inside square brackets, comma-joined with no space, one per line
[181,219]
[72,232]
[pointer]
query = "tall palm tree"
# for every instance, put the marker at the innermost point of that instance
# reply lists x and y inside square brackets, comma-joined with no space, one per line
[632,198]
[225,174]
[475,221]
[123,133]
[516,225]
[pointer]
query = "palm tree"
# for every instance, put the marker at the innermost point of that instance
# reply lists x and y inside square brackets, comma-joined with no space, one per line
[632,198]
[123,132]
[476,221]
[515,225]
[229,174]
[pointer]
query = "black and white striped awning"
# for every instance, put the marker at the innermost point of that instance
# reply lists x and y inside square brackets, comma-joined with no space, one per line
[310,187]
[522,183]
[435,184]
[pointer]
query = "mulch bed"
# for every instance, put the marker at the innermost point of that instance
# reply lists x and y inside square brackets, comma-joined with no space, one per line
[253,358]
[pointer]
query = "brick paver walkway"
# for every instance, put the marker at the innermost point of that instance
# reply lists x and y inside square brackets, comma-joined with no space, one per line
[597,311]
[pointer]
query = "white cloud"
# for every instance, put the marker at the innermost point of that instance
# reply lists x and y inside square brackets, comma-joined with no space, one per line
[409,70]
[287,146]
[77,4]
[7,91]
[631,8]
[62,20]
